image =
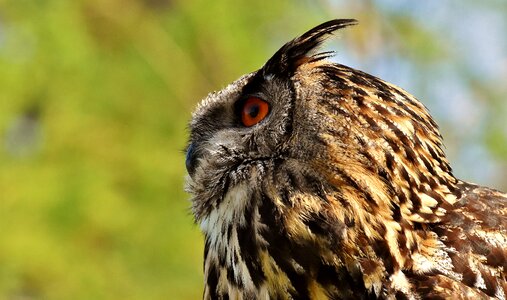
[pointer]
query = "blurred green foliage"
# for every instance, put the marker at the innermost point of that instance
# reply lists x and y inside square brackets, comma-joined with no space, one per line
[95,97]
[94,100]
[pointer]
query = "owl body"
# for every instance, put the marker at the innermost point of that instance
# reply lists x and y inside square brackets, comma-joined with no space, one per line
[312,180]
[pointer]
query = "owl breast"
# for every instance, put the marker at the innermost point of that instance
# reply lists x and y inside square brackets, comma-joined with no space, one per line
[230,233]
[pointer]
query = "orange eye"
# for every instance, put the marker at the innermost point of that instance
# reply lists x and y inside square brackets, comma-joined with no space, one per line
[253,111]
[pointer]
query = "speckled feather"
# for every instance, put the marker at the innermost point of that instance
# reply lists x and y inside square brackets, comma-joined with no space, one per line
[342,192]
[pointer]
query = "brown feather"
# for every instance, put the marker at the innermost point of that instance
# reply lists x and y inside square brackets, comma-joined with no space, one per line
[342,192]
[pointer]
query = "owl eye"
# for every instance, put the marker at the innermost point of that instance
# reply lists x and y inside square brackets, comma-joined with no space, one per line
[253,111]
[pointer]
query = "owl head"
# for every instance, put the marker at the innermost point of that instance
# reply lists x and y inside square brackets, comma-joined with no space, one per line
[309,125]
[306,148]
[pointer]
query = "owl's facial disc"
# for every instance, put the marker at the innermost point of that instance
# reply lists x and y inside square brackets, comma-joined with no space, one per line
[243,123]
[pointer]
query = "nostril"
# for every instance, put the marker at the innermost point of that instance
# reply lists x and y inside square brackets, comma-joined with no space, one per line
[190,159]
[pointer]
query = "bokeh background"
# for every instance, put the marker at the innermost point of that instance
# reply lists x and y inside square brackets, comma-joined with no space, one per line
[95,96]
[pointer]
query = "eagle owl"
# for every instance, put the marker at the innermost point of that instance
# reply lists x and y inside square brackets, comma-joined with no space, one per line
[313,180]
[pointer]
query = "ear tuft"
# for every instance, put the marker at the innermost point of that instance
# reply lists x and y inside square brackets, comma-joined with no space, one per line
[296,52]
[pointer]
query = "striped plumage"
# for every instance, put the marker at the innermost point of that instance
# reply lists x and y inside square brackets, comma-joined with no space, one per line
[342,192]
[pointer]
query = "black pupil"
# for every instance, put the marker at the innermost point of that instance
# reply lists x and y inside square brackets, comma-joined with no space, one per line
[253,110]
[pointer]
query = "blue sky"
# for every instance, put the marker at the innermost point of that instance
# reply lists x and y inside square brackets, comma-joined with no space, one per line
[465,90]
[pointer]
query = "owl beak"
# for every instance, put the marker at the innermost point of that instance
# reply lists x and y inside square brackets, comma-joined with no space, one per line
[191,159]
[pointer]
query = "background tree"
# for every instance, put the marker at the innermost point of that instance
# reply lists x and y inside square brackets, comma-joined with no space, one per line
[95,96]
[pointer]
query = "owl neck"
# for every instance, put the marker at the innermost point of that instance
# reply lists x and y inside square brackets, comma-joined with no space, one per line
[258,247]
[281,235]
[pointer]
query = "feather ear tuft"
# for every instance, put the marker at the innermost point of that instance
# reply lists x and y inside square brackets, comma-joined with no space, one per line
[286,60]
